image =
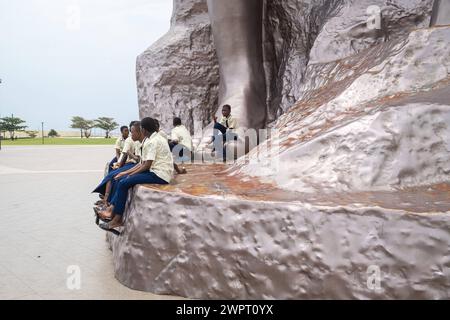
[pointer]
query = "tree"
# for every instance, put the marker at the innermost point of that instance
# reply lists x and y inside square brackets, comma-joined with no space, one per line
[88,125]
[84,125]
[12,124]
[107,124]
[52,133]
[78,123]
[32,134]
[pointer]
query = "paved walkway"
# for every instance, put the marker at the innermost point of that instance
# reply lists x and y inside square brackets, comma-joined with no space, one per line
[47,225]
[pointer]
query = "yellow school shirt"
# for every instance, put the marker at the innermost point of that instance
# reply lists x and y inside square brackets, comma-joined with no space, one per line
[182,135]
[157,150]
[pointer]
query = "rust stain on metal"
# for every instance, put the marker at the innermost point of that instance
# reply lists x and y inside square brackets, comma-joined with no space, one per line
[214,180]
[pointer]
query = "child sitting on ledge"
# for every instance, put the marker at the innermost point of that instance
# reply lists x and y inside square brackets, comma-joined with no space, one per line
[223,130]
[156,167]
[120,143]
[129,158]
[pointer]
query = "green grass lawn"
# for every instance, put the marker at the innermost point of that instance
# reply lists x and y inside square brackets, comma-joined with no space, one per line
[59,141]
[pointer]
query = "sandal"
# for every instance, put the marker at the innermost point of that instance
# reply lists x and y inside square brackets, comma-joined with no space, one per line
[101,208]
[105,226]
[98,218]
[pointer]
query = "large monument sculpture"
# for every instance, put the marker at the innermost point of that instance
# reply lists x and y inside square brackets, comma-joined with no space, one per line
[357,204]
[237,30]
[441,13]
[188,85]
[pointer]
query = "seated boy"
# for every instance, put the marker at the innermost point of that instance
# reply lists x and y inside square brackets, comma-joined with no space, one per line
[156,167]
[224,127]
[120,142]
[180,140]
[130,156]
[128,149]
[164,135]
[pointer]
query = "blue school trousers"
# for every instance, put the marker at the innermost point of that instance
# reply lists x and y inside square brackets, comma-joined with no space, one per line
[180,152]
[120,197]
[110,177]
[226,136]
[111,164]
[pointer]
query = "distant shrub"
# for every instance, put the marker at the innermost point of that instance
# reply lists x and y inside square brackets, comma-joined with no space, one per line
[52,133]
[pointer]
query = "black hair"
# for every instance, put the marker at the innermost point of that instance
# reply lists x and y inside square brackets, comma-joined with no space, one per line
[149,124]
[157,124]
[123,128]
[137,125]
[176,122]
[226,106]
[132,124]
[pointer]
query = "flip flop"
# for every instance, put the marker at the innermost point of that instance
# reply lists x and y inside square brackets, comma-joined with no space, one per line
[97,210]
[98,218]
[100,208]
[105,226]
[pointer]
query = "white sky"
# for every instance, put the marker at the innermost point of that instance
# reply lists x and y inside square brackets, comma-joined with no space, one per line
[54,66]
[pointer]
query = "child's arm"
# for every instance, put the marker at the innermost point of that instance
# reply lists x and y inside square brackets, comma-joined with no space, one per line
[128,172]
[143,167]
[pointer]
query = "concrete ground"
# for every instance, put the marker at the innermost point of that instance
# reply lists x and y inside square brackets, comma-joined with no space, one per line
[50,247]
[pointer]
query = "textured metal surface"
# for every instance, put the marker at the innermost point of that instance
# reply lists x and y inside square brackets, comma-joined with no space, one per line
[334,30]
[363,175]
[374,121]
[222,246]
[441,13]
[179,75]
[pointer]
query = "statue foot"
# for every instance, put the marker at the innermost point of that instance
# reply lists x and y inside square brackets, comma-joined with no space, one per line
[248,106]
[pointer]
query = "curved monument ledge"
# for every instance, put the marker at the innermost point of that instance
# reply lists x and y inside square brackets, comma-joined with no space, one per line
[212,236]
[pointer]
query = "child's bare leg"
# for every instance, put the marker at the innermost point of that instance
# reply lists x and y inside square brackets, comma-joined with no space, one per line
[107,192]
[116,222]
[107,213]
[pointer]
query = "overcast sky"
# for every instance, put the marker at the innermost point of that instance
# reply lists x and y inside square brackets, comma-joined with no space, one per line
[54,65]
